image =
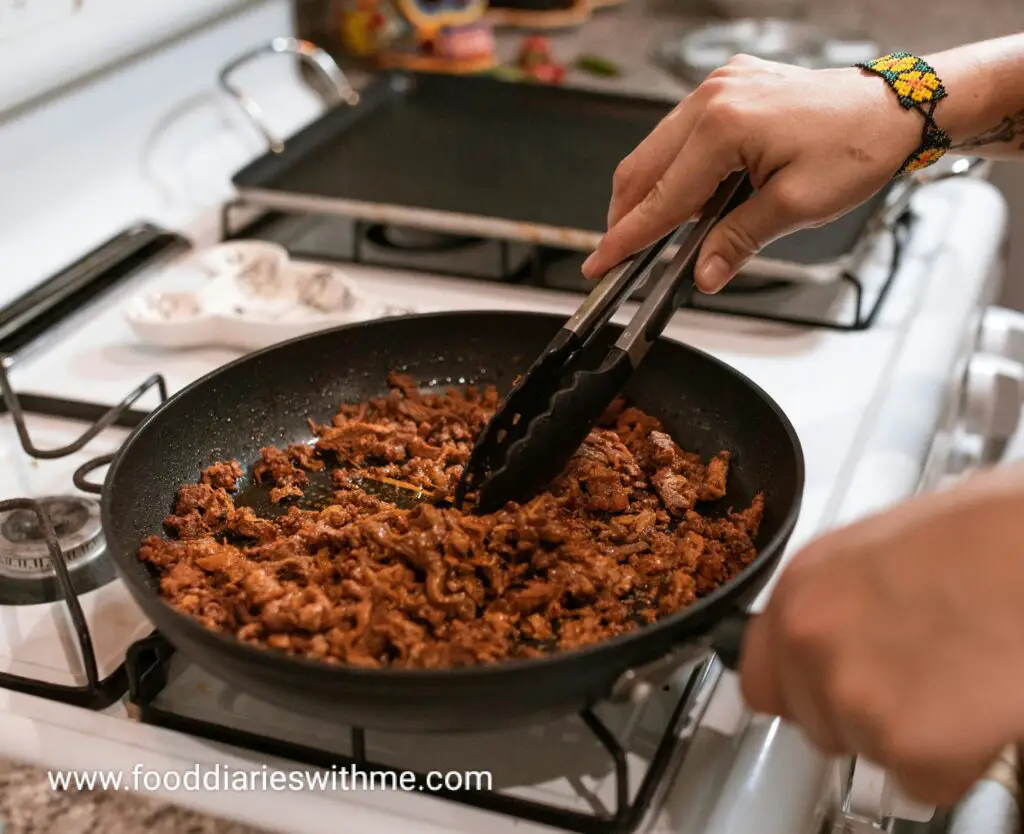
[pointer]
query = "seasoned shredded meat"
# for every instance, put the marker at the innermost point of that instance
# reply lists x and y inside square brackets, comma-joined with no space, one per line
[223,475]
[617,541]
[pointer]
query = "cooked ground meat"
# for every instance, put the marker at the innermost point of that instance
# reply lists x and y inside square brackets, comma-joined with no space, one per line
[223,475]
[617,541]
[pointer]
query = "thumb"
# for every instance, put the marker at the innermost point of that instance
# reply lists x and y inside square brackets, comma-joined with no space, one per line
[743,233]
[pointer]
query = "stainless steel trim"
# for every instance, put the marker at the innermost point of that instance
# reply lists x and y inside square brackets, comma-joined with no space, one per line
[467,224]
[585,241]
[316,58]
[438,221]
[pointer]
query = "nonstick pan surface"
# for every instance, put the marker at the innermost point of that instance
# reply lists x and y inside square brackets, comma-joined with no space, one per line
[265,399]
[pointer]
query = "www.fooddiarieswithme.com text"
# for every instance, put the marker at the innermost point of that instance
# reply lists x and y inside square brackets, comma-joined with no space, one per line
[224,778]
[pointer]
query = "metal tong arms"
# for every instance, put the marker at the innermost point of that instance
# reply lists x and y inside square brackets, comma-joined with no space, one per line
[530,396]
[546,417]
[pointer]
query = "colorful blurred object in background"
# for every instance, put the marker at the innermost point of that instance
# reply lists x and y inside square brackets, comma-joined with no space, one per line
[540,14]
[419,35]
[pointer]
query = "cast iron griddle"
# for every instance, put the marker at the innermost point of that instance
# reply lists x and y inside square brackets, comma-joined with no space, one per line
[487,149]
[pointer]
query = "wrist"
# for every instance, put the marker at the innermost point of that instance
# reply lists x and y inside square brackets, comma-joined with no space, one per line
[898,130]
[967,102]
[984,111]
[916,88]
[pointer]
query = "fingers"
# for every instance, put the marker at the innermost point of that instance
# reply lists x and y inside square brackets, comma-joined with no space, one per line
[809,707]
[934,761]
[940,785]
[800,663]
[638,172]
[677,196]
[759,679]
[783,670]
[771,213]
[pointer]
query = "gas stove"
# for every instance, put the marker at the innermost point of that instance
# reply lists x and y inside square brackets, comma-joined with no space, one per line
[849,300]
[928,390]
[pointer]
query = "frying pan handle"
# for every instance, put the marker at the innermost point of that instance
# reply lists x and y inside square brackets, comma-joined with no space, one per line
[309,53]
[727,638]
[872,793]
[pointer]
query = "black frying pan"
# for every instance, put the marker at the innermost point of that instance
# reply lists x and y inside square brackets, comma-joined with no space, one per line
[265,399]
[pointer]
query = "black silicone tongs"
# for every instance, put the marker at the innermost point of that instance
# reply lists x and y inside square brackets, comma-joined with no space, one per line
[553,407]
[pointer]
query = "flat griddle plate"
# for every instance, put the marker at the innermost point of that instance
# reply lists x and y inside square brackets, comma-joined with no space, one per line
[460,153]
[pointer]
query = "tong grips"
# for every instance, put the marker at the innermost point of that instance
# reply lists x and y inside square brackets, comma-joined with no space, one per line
[614,290]
[677,282]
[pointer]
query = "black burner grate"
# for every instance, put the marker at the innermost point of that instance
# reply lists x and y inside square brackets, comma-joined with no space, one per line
[24,323]
[96,693]
[343,240]
[147,666]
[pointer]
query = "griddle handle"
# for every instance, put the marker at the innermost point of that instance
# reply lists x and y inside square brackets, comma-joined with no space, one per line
[309,53]
[727,638]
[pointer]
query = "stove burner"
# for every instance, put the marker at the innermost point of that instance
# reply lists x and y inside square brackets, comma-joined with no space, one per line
[23,551]
[27,576]
[409,239]
[704,49]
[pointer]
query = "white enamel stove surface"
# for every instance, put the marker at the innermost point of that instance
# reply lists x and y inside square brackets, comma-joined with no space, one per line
[867,407]
[74,190]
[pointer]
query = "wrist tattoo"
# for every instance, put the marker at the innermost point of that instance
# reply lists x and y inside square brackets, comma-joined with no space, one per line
[1009,130]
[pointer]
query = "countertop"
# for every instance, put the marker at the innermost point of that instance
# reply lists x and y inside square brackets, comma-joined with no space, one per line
[29,806]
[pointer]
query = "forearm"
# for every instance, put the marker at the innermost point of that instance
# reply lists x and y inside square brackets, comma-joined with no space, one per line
[984,110]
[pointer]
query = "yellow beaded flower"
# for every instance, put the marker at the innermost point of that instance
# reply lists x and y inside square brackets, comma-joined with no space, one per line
[897,62]
[917,85]
[923,160]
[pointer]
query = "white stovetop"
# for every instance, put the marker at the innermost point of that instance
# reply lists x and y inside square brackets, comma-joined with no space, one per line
[832,385]
[169,157]
[827,382]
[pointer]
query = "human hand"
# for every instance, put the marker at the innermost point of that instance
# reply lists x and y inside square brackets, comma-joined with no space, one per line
[816,144]
[901,638]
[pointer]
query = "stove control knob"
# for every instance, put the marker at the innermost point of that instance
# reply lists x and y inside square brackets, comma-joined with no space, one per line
[1002,334]
[993,393]
[875,797]
[966,453]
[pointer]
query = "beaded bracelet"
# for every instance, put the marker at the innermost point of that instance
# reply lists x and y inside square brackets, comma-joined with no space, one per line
[918,87]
